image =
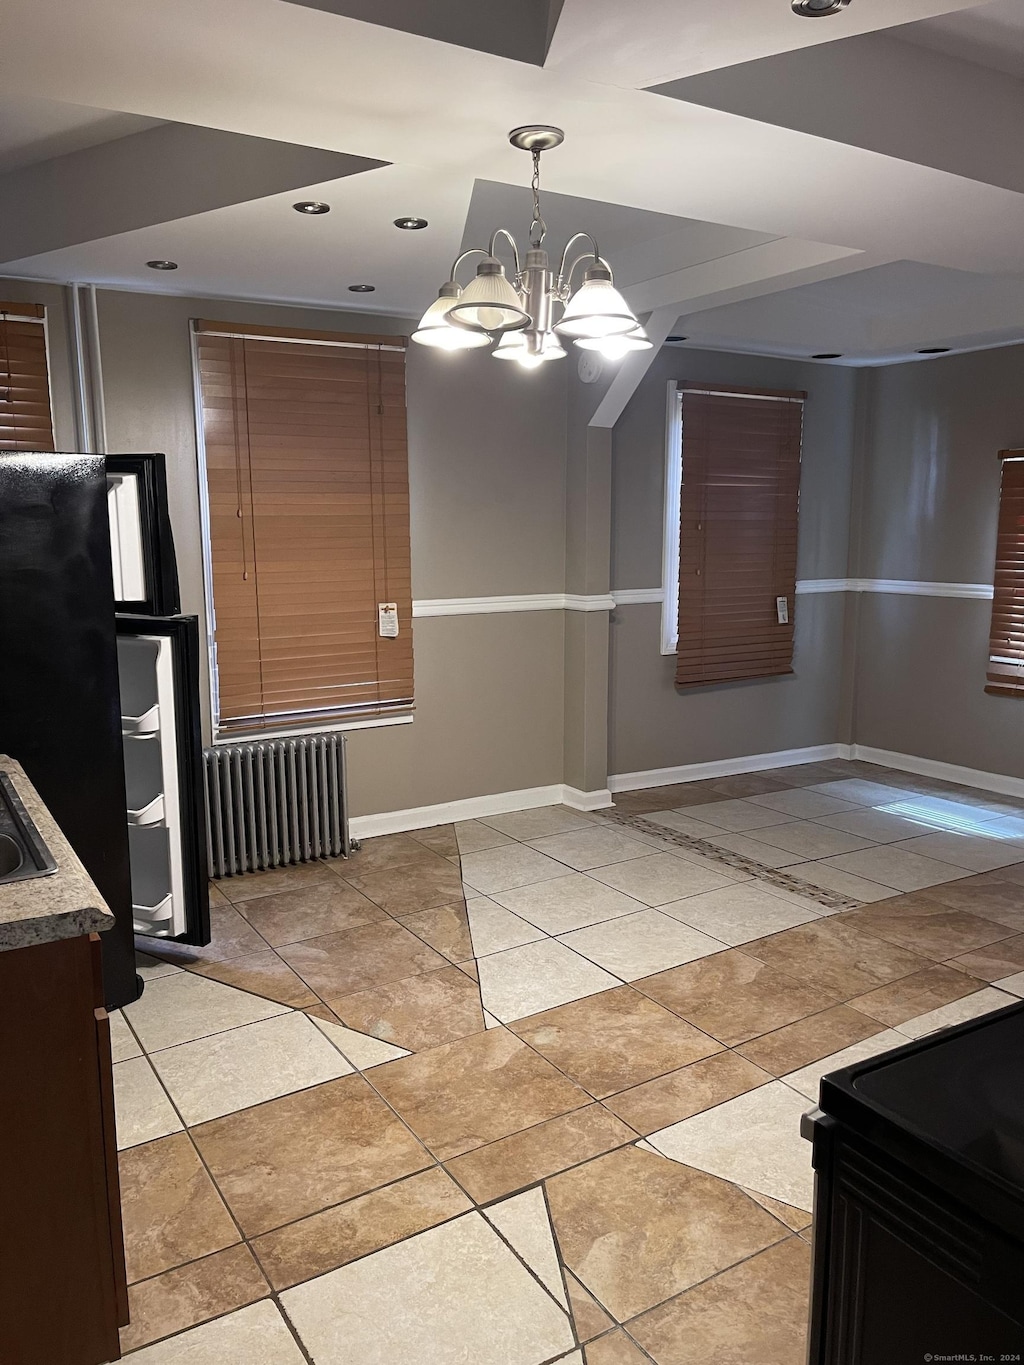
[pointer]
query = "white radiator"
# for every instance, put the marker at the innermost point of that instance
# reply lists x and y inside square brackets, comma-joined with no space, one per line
[275,802]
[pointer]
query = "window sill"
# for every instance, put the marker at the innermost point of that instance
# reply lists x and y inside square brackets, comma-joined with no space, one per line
[342,727]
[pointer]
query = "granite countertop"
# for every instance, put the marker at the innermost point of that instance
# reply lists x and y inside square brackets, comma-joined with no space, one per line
[64,904]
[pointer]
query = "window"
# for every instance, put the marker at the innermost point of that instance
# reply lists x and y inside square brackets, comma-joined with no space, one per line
[733,472]
[1006,642]
[25,420]
[307,516]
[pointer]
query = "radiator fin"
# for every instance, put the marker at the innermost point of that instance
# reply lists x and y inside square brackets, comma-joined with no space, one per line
[275,802]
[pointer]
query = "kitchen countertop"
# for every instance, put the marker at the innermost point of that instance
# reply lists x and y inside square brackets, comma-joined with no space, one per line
[64,904]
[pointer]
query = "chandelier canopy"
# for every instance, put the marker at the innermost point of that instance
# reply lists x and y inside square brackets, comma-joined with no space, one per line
[531,314]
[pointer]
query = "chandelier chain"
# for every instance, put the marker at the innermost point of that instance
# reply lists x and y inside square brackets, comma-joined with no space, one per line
[538,228]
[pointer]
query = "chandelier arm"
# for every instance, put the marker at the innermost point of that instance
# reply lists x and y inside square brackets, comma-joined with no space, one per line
[564,281]
[473,251]
[503,232]
[576,237]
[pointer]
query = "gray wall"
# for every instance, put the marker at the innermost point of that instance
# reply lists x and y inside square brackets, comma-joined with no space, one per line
[928,503]
[653,724]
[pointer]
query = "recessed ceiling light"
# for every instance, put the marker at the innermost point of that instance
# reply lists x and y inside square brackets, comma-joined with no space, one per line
[361,288]
[828,355]
[933,350]
[410,224]
[815,9]
[162,265]
[311,206]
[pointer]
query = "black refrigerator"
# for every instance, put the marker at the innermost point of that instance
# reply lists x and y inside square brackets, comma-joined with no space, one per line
[59,711]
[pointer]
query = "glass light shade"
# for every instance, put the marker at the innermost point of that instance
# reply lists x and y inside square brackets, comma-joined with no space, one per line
[513,346]
[436,330]
[489,303]
[597,309]
[615,347]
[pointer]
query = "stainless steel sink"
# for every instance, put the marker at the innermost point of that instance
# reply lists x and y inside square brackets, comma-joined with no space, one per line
[22,852]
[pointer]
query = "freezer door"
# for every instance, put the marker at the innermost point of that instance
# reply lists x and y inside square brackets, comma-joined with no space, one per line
[142,548]
[158,662]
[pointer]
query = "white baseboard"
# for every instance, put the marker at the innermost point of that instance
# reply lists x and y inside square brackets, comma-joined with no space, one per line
[475,808]
[725,767]
[948,772]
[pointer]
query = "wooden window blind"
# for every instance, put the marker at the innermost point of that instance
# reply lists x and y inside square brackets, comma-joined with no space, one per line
[737,533]
[1006,642]
[26,422]
[308,508]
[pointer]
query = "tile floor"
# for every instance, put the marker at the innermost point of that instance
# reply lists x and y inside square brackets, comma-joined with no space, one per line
[527,1089]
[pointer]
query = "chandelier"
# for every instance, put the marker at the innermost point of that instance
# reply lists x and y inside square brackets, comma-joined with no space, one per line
[531,314]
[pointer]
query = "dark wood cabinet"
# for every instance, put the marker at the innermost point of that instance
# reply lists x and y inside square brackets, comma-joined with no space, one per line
[63,1289]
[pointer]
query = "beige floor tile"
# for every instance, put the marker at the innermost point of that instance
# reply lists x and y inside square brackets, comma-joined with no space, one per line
[170,1209]
[836,957]
[418,886]
[749,847]
[613,1040]
[1014,985]
[251,884]
[358,959]
[738,914]
[796,1219]
[1000,959]
[524,1223]
[753,1140]
[799,1044]
[639,945]
[473,836]
[834,879]
[359,1049]
[261,974]
[660,878]
[896,867]
[465,1094]
[976,852]
[191,1294]
[914,995]
[347,1232]
[702,1085]
[418,1012]
[493,927]
[636,1229]
[185,1006]
[808,1078]
[877,826]
[230,936]
[737,816]
[753,1314]
[741,785]
[461,1285]
[383,853]
[514,1162]
[959,1012]
[538,976]
[535,824]
[500,869]
[684,823]
[987,895]
[567,903]
[142,1110]
[309,912]
[256,1335]
[149,967]
[802,803]
[590,1318]
[246,1066]
[445,929]
[592,847]
[294,1156]
[733,996]
[123,1043]
[810,840]
[863,791]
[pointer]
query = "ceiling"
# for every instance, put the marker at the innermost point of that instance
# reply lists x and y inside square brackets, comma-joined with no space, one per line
[775,184]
